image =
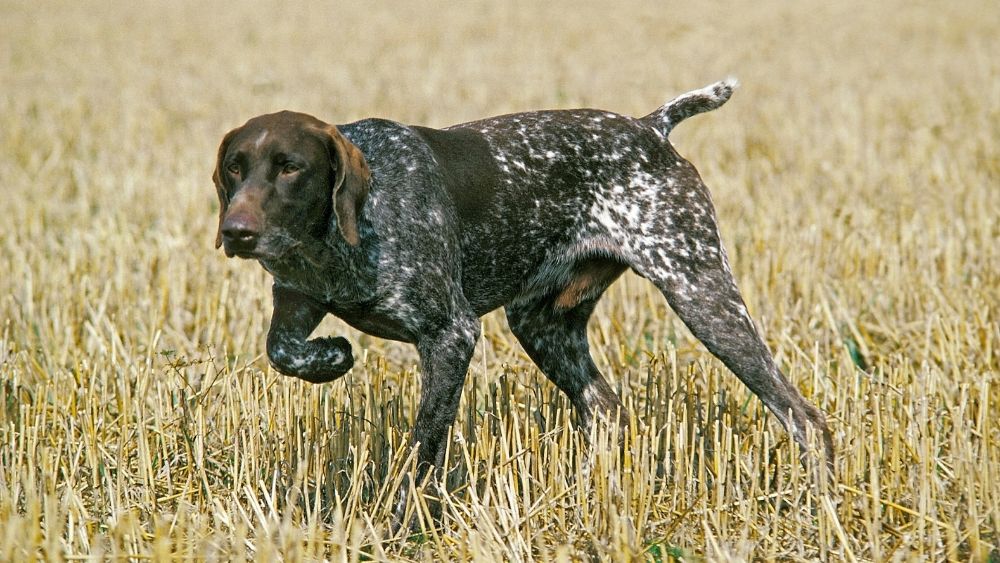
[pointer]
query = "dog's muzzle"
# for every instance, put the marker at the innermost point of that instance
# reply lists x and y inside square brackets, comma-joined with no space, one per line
[240,235]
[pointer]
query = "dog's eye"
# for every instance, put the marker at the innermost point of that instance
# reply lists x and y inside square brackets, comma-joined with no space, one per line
[289,168]
[233,169]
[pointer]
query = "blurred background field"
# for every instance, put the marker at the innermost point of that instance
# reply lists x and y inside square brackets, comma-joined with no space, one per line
[857,179]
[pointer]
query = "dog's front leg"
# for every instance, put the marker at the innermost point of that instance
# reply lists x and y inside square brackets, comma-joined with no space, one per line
[444,361]
[318,360]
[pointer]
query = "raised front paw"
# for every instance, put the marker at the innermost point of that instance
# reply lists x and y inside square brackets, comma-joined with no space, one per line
[318,360]
[336,353]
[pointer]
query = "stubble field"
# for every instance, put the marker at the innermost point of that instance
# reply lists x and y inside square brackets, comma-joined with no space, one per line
[856,175]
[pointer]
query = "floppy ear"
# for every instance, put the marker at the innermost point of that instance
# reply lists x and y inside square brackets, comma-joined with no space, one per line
[220,186]
[351,178]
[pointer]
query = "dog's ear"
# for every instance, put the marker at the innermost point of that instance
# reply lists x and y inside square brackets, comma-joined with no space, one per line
[351,178]
[220,183]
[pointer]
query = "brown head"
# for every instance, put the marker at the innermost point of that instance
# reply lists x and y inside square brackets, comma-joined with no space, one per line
[283,177]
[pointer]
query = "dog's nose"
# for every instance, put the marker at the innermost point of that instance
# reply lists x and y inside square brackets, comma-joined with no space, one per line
[241,232]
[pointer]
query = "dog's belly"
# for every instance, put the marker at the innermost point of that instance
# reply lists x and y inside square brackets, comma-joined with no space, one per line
[567,276]
[530,249]
[487,294]
[493,276]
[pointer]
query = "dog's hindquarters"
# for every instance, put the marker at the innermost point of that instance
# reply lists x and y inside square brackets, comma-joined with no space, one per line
[680,251]
[601,186]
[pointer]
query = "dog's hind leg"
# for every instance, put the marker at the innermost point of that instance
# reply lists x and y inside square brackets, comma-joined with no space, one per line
[553,331]
[683,256]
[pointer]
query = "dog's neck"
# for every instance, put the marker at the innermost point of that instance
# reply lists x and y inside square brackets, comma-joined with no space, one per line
[329,269]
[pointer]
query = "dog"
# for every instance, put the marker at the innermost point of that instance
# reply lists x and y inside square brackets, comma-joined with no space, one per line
[412,234]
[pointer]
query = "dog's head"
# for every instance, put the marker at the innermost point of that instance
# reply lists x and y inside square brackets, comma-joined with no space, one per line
[283,177]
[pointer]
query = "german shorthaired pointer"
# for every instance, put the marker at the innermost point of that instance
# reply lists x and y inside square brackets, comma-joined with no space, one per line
[412,234]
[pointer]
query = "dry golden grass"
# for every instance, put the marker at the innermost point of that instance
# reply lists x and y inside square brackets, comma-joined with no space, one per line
[857,179]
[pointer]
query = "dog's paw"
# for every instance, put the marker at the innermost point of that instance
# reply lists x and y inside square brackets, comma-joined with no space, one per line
[317,361]
[331,357]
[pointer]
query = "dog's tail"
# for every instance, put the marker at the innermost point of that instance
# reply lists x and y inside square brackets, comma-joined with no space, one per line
[692,103]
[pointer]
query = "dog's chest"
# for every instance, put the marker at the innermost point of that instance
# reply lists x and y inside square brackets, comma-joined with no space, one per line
[372,318]
[375,315]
